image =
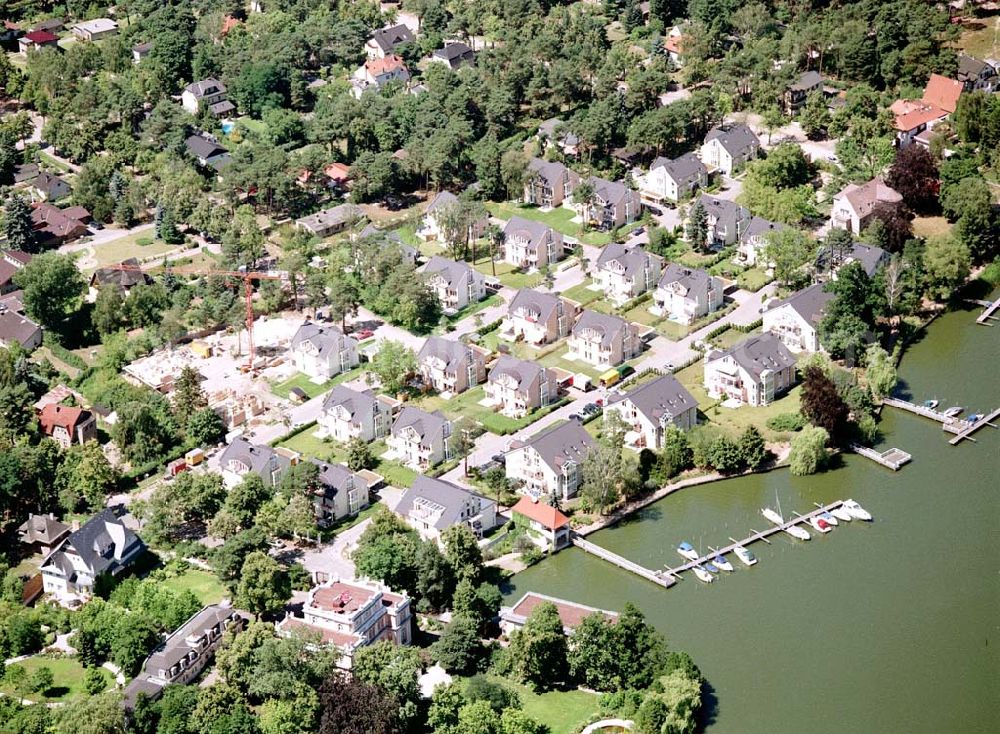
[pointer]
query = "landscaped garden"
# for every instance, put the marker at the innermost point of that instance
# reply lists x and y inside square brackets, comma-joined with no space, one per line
[310,388]
[67,678]
[305,443]
[203,584]
[559,219]
[467,405]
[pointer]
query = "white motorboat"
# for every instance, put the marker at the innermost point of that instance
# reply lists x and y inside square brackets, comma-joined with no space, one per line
[745,555]
[773,516]
[821,525]
[841,514]
[932,404]
[687,551]
[722,562]
[797,531]
[857,511]
[954,411]
[703,575]
[830,519]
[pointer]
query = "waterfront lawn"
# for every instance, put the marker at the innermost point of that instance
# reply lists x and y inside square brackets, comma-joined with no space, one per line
[67,675]
[559,219]
[203,584]
[560,712]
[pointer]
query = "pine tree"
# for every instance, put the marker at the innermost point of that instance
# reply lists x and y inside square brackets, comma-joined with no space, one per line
[697,226]
[17,225]
[189,398]
[158,222]
[168,228]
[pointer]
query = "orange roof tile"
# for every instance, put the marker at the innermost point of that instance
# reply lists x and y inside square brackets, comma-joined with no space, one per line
[546,515]
[64,416]
[390,63]
[942,92]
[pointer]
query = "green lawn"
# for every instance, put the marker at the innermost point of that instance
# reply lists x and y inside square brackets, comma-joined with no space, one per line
[582,293]
[204,585]
[753,279]
[560,219]
[732,337]
[329,450]
[474,308]
[561,712]
[53,162]
[505,273]
[558,359]
[128,246]
[310,388]
[466,404]
[68,677]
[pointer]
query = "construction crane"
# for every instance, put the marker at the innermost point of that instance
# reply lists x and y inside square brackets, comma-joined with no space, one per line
[248,277]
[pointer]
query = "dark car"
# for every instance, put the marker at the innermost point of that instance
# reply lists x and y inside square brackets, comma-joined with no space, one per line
[394,203]
[499,458]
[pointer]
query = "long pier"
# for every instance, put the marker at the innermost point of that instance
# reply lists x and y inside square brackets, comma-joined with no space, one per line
[647,573]
[890,458]
[922,410]
[963,429]
[987,314]
[970,428]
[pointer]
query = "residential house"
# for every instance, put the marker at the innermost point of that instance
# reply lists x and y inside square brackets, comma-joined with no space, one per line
[754,237]
[35,40]
[330,221]
[754,372]
[420,439]
[795,320]
[52,25]
[538,318]
[384,41]
[376,73]
[686,294]
[432,228]
[241,457]
[10,32]
[602,340]
[726,220]
[42,533]
[613,205]
[431,506]
[103,546]
[25,173]
[456,284]
[49,187]
[67,425]
[550,183]
[185,653]
[339,493]
[626,271]
[450,366]
[544,525]
[54,226]
[141,51]
[571,614]
[517,387]
[728,148]
[15,327]
[673,180]
[351,615]
[207,151]
[871,258]
[453,55]
[855,206]
[674,45]
[323,351]
[528,244]
[95,30]
[976,75]
[553,133]
[914,119]
[208,93]
[123,277]
[550,463]
[650,409]
[389,238]
[798,92]
[349,414]
[10,262]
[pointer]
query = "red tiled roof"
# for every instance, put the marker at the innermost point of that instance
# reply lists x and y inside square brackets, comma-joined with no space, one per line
[910,116]
[337,171]
[674,44]
[942,92]
[571,615]
[390,63]
[41,37]
[342,598]
[327,635]
[53,416]
[547,515]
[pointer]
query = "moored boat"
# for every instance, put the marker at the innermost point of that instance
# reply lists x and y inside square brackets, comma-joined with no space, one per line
[830,519]
[932,404]
[820,524]
[745,555]
[857,511]
[841,514]
[687,551]
[703,575]
[722,562]
[797,531]
[710,567]
[954,411]
[773,516]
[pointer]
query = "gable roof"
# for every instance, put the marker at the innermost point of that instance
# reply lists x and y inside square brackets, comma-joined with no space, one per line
[202,147]
[453,52]
[970,68]
[67,417]
[335,477]
[523,371]
[10,262]
[660,400]
[608,327]
[123,278]
[863,199]
[453,353]
[554,172]
[444,498]
[386,65]
[942,92]
[695,282]
[441,199]
[759,227]
[455,273]
[611,192]
[355,402]
[424,423]
[16,327]
[736,139]
[326,339]
[532,231]
[683,169]
[632,258]
[206,88]
[759,353]
[55,222]
[41,37]
[561,444]
[260,459]
[388,38]
[546,515]
[544,304]
[43,529]
[332,217]
[102,543]
[806,81]
[51,185]
[809,303]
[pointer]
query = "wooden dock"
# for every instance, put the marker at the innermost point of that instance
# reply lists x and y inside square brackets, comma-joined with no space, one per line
[656,577]
[890,458]
[987,315]
[970,428]
[922,410]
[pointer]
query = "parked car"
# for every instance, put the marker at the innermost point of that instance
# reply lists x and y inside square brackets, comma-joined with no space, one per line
[364,334]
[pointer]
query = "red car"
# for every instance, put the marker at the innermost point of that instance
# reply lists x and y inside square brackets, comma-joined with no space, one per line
[364,334]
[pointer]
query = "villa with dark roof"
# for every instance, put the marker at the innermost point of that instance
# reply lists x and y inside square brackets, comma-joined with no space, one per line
[795,320]
[626,271]
[613,205]
[549,463]
[339,493]
[754,372]
[450,366]
[431,506]
[686,294]
[456,284]
[650,409]
[384,41]
[538,318]
[351,414]
[242,457]
[420,439]
[673,180]
[517,387]
[102,546]
[726,220]
[323,351]
[453,55]
[528,244]
[550,183]
[208,93]
[42,533]
[603,340]
[728,148]
[122,277]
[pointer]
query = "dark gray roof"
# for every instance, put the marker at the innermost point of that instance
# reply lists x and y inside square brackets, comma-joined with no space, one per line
[262,460]
[561,444]
[442,198]
[808,80]
[354,402]
[696,282]
[332,217]
[201,147]
[869,256]
[53,186]
[104,544]
[735,138]
[522,370]
[336,477]
[453,353]
[388,38]
[427,425]
[43,529]
[633,258]
[544,304]
[684,169]
[16,327]
[206,88]
[455,273]
[221,107]
[533,231]
[606,325]
[449,497]
[547,129]
[759,227]
[554,172]
[660,400]
[326,339]
[809,303]
[123,279]
[969,68]
[611,192]
[175,648]
[455,52]
[759,353]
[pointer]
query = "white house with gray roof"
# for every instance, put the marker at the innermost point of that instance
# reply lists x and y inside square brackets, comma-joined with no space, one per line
[869,257]
[431,506]
[626,271]
[673,180]
[795,320]
[384,41]
[103,546]
[528,244]
[339,493]
[686,294]
[550,183]
[456,284]
[754,237]
[554,133]
[330,221]
[613,205]
[726,220]
[754,372]
[537,318]
[602,340]
[241,457]
[453,55]
[207,94]
[450,366]
[323,351]
[652,408]
[728,148]
[517,387]
[349,414]
[431,227]
[550,462]
[420,439]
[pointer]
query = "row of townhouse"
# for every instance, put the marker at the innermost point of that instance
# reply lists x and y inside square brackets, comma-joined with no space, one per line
[551,184]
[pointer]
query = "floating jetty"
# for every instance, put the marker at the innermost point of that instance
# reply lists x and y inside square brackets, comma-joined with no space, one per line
[922,410]
[890,458]
[963,429]
[969,428]
[647,573]
[988,313]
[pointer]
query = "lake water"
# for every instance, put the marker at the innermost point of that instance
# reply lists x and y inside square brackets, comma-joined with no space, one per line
[890,626]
